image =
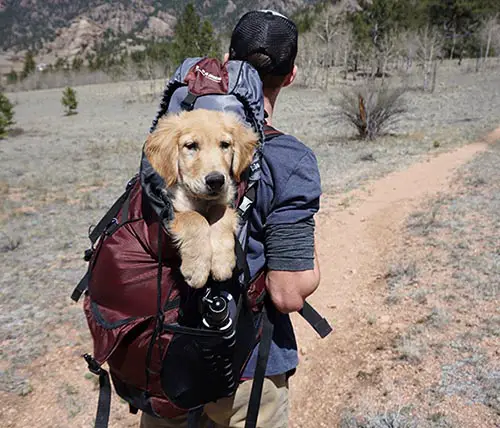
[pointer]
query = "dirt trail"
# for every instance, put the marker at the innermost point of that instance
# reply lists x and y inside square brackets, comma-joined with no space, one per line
[356,232]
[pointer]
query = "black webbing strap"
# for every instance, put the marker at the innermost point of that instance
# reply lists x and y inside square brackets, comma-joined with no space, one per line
[160,315]
[125,208]
[241,263]
[104,403]
[318,323]
[194,417]
[113,212]
[81,287]
[246,202]
[187,103]
[108,217]
[260,371]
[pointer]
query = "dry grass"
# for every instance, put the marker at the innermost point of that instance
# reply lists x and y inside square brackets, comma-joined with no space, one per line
[398,418]
[449,304]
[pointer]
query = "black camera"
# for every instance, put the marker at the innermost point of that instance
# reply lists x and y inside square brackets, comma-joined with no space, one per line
[218,309]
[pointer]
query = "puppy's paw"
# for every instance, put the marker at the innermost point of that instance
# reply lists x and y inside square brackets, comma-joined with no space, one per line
[223,264]
[195,272]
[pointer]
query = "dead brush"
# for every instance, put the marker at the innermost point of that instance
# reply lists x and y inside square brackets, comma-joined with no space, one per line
[398,418]
[371,109]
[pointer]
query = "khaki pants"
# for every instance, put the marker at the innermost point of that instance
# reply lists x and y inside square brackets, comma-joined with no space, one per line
[231,412]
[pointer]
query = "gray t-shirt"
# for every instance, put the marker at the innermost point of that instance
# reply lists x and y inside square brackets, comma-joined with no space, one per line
[282,232]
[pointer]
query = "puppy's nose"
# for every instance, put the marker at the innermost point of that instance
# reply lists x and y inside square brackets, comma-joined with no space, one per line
[214,181]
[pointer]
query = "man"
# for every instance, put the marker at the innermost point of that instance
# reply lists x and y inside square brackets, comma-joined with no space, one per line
[282,227]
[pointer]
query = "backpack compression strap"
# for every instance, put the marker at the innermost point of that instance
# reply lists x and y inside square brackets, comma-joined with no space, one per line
[104,403]
[107,224]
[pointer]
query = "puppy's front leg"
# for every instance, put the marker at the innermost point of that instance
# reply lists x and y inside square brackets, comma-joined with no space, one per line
[222,236]
[191,233]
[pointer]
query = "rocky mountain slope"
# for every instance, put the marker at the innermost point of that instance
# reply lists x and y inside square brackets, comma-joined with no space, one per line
[72,26]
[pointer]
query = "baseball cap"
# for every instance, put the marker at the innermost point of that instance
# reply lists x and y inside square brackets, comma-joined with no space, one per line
[268,35]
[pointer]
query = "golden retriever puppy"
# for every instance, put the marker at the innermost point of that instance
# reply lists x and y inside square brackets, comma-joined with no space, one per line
[201,154]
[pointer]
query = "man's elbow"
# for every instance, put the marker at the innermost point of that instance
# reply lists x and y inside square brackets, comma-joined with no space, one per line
[289,290]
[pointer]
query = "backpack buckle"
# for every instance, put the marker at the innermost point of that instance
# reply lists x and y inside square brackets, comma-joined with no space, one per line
[94,366]
[111,227]
[87,255]
[187,103]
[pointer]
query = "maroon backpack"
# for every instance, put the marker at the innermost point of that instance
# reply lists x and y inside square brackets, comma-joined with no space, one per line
[171,349]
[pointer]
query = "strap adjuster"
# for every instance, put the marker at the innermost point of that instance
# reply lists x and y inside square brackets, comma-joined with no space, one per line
[88,254]
[94,366]
[188,102]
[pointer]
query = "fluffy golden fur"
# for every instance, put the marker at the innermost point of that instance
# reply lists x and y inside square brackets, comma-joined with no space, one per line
[200,154]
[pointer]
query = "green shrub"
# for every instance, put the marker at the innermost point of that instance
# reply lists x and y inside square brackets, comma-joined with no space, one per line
[6,115]
[69,101]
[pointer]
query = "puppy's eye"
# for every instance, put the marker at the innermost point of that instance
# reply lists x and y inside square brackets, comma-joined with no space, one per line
[224,145]
[191,145]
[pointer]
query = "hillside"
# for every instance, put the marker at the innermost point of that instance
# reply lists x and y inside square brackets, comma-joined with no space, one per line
[37,25]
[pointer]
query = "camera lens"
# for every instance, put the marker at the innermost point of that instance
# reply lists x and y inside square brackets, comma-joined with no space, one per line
[217,311]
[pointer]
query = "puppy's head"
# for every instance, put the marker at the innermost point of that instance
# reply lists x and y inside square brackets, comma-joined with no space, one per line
[201,150]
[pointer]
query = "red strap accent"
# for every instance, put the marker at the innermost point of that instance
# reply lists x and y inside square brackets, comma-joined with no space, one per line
[256,290]
[270,131]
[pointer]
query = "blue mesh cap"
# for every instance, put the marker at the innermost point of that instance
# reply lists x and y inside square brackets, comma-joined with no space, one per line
[266,39]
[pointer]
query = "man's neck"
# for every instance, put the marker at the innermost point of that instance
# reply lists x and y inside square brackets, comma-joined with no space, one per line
[269,102]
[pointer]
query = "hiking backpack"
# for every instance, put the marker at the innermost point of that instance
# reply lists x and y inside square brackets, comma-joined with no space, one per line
[171,349]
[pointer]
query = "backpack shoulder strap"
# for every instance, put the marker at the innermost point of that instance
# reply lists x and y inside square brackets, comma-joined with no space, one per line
[270,132]
[246,195]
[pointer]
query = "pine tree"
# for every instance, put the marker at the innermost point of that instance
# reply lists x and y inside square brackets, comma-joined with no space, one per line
[77,63]
[187,34]
[209,44]
[193,38]
[69,101]
[29,65]
[6,115]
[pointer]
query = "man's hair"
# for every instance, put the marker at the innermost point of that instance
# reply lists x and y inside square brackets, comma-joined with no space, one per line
[268,41]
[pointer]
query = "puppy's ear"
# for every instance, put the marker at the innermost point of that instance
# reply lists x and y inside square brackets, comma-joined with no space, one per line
[162,149]
[245,141]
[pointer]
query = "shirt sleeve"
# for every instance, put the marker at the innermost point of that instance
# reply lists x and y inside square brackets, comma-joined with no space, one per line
[289,227]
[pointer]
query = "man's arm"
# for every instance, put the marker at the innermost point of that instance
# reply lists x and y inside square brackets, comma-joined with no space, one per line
[289,289]
[292,264]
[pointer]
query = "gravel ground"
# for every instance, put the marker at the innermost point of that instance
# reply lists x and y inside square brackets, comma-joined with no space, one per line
[61,174]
